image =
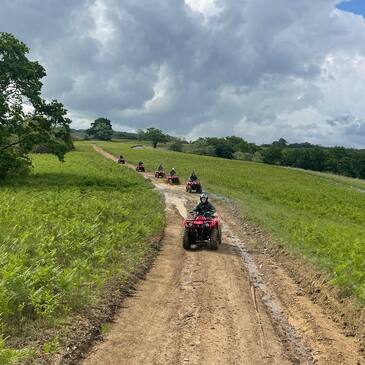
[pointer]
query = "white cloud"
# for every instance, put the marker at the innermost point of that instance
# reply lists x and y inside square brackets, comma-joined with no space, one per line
[203,67]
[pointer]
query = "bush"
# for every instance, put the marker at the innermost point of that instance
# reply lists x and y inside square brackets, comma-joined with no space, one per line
[244,156]
[176,146]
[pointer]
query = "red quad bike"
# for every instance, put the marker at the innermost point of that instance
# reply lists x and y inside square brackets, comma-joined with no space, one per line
[173,179]
[194,186]
[202,230]
[159,174]
[140,168]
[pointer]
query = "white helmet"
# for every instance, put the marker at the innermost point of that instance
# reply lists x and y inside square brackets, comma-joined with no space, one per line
[204,197]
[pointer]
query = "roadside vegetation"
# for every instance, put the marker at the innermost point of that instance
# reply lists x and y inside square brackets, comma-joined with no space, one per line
[65,231]
[27,121]
[320,217]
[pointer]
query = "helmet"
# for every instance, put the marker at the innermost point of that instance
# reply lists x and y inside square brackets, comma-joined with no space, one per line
[204,197]
[173,168]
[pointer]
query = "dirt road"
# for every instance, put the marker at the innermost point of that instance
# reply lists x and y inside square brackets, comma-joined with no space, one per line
[218,307]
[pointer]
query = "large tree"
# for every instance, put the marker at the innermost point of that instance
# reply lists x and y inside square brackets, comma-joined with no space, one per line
[101,129]
[26,120]
[155,136]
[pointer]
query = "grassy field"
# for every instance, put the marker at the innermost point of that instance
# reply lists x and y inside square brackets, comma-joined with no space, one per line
[319,217]
[64,232]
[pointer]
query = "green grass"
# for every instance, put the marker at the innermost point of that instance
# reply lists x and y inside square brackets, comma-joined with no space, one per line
[65,231]
[319,217]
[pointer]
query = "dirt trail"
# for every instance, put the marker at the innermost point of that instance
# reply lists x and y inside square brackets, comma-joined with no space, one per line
[218,307]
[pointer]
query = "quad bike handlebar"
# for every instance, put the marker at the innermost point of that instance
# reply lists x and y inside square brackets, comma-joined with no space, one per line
[209,214]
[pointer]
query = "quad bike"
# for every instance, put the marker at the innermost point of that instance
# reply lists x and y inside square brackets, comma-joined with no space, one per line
[159,174]
[194,186]
[202,230]
[140,168]
[173,179]
[121,161]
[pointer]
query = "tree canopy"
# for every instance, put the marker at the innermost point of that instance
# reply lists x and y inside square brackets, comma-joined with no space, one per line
[101,129]
[26,119]
[155,136]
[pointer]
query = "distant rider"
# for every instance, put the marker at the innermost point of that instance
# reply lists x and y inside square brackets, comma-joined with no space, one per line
[160,168]
[120,159]
[193,176]
[204,206]
[173,172]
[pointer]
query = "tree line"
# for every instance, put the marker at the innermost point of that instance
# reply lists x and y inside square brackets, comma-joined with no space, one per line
[30,123]
[338,160]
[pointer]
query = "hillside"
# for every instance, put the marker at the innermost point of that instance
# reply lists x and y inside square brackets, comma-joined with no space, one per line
[67,231]
[318,217]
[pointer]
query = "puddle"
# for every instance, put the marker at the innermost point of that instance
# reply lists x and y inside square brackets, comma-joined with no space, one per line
[178,202]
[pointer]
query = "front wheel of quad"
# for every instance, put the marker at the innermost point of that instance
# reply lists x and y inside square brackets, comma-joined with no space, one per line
[186,241]
[214,239]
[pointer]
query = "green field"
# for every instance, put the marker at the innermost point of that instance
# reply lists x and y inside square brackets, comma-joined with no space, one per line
[65,231]
[319,217]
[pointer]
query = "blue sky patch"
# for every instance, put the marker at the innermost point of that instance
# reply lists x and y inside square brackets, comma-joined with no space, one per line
[353,6]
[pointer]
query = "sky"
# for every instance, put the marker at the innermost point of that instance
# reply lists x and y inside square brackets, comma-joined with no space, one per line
[252,68]
[354,6]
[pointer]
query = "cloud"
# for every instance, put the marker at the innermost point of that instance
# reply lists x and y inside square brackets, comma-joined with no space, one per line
[202,67]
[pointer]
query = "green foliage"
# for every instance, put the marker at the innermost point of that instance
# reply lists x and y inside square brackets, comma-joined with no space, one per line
[176,145]
[11,356]
[272,155]
[64,231]
[50,347]
[321,217]
[20,131]
[155,136]
[101,129]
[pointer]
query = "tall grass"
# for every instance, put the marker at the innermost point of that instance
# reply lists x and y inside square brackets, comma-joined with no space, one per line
[320,217]
[64,231]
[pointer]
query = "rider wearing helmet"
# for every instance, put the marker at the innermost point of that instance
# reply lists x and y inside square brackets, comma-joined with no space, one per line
[160,168]
[204,205]
[193,176]
[173,172]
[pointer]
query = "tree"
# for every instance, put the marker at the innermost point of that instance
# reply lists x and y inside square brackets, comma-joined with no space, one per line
[20,130]
[280,143]
[155,136]
[272,155]
[141,134]
[101,129]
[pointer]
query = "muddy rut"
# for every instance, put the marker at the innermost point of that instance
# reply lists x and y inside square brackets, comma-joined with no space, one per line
[218,307]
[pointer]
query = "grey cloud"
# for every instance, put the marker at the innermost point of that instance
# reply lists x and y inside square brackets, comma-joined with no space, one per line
[251,69]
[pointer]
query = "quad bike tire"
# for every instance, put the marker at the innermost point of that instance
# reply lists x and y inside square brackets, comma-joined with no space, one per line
[220,235]
[186,241]
[214,239]
[190,189]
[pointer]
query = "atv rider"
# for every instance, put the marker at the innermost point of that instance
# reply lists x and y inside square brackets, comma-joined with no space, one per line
[120,159]
[204,206]
[160,168]
[193,177]
[173,172]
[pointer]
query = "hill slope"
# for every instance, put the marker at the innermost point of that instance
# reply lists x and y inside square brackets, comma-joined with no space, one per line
[320,218]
